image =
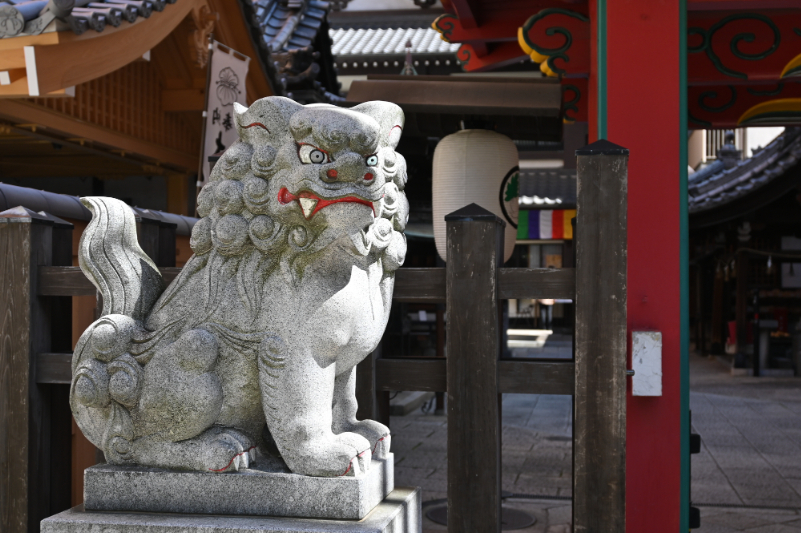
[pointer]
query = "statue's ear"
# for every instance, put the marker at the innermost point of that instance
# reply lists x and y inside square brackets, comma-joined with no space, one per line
[266,121]
[389,117]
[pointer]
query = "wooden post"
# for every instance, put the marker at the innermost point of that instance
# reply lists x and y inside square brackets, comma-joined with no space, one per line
[59,393]
[741,308]
[25,244]
[147,233]
[365,386]
[599,445]
[474,255]
[156,236]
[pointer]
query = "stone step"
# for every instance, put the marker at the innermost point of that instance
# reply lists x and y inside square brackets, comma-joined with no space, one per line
[267,489]
[407,402]
[399,512]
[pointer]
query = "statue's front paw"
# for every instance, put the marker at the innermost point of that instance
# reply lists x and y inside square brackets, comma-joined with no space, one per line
[377,435]
[346,454]
[227,450]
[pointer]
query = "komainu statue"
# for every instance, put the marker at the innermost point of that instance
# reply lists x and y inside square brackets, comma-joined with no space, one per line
[253,347]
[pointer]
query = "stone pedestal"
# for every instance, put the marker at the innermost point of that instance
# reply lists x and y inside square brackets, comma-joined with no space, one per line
[267,489]
[400,512]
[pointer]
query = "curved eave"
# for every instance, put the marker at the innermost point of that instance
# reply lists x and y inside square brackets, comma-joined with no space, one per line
[748,202]
[52,63]
[780,112]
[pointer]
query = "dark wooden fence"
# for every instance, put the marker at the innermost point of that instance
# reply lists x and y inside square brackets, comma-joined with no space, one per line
[34,376]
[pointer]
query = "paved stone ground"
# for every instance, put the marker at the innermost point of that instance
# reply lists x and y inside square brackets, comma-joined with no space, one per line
[751,450]
[536,457]
[536,453]
[750,457]
[559,345]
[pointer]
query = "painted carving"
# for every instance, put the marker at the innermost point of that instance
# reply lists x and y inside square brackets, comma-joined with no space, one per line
[253,348]
[203,22]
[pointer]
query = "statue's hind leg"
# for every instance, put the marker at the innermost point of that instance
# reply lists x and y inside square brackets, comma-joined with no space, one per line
[297,395]
[180,404]
[344,416]
[218,449]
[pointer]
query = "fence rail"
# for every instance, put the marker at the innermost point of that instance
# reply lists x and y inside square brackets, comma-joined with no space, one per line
[35,293]
[411,284]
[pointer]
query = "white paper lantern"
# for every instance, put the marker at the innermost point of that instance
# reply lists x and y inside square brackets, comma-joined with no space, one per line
[476,166]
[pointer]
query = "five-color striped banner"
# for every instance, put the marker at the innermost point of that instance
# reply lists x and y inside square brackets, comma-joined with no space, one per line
[545,224]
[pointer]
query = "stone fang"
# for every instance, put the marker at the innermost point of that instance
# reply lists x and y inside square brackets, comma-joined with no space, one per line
[307,205]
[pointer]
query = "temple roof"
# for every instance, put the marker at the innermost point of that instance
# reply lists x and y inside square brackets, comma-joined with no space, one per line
[720,184]
[547,188]
[288,25]
[292,39]
[390,41]
[374,42]
[33,17]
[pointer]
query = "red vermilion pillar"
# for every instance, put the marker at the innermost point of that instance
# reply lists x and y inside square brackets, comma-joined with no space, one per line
[641,77]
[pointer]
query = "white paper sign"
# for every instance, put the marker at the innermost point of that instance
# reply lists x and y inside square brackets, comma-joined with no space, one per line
[226,86]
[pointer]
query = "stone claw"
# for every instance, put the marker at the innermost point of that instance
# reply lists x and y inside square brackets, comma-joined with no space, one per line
[381,447]
[234,445]
[359,464]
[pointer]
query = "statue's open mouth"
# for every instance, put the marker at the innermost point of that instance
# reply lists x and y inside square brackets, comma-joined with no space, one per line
[310,203]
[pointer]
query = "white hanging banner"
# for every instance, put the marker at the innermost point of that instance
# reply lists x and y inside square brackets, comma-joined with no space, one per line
[228,70]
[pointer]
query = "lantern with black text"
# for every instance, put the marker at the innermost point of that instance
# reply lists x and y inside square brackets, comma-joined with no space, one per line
[476,166]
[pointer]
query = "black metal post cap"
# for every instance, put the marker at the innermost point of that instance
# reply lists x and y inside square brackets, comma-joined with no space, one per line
[473,212]
[602,147]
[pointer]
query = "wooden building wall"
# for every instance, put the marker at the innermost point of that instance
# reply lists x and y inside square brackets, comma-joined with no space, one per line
[129,101]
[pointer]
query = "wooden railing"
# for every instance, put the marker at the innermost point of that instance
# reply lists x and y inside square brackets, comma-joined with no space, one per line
[473,374]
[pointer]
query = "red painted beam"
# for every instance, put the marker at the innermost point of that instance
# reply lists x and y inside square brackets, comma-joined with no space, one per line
[496,24]
[711,5]
[465,11]
[642,76]
[497,55]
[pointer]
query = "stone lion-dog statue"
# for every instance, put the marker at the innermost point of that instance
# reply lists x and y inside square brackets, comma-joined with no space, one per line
[254,346]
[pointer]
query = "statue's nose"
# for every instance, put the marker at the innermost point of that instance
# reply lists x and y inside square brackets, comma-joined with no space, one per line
[347,168]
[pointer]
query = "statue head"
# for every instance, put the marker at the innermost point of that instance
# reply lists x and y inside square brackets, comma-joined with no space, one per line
[301,172]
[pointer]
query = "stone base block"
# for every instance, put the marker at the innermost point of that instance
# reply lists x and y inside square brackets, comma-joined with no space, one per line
[400,512]
[267,489]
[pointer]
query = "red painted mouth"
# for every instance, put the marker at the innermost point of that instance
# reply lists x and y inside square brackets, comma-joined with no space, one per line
[310,203]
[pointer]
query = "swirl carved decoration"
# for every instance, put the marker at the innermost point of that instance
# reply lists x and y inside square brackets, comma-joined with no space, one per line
[708,37]
[713,94]
[444,25]
[572,104]
[542,54]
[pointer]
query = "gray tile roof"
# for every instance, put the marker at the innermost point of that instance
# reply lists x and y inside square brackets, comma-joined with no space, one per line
[32,17]
[289,25]
[715,185]
[390,41]
[294,48]
[547,188]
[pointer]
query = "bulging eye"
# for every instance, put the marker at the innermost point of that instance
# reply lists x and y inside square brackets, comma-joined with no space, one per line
[311,154]
[372,160]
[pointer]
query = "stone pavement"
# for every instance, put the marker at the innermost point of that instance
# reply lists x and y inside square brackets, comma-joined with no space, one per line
[750,450]
[536,452]
[746,478]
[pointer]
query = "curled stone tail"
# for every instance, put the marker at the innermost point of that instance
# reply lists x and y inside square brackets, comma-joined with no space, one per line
[110,256]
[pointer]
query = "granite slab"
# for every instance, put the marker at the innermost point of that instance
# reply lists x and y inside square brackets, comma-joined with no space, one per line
[268,489]
[400,512]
